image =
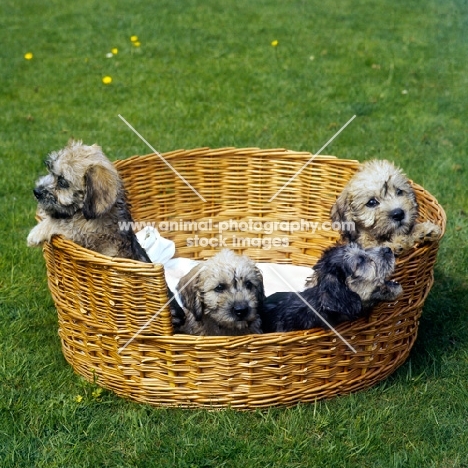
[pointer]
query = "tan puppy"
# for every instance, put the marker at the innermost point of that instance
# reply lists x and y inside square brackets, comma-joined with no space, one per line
[83,199]
[222,296]
[379,207]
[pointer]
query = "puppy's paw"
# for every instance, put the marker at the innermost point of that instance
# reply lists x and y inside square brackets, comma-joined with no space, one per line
[177,313]
[426,232]
[36,236]
[388,291]
[178,318]
[400,244]
[311,280]
[393,290]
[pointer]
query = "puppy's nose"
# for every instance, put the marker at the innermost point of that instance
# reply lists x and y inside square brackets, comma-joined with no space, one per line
[241,311]
[397,215]
[386,251]
[37,193]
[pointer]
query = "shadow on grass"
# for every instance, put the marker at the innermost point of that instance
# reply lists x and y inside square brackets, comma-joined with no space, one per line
[443,328]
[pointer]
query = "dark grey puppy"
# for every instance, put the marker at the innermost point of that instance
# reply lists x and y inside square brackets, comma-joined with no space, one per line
[83,199]
[347,282]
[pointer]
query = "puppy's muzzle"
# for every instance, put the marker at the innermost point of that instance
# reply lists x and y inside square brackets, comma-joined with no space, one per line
[386,252]
[397,215]
[387,256]
[44,196]
[38,193]
[241,310]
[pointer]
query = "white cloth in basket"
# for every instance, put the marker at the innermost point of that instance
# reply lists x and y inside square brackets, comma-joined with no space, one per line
[159,249]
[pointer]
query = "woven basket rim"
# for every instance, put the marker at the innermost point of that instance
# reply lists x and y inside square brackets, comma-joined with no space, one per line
[232,150]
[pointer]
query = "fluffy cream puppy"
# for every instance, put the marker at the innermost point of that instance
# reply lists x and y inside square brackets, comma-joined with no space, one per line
[82,198]
[378,207]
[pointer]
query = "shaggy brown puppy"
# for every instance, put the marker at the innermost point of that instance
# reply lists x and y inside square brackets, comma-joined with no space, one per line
[83,199]
[378,207]
[222,296]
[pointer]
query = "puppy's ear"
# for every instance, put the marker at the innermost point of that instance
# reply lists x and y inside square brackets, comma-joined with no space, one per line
[341,213]
[102,187]
[340,207]
[260,287]
[189,288]
[338,301]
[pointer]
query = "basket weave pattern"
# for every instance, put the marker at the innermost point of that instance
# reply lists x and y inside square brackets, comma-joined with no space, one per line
[106,307]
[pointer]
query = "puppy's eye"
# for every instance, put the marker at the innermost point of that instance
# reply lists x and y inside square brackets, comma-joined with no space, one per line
[62,183]
[372,203]
[400,192]
[249,285]
[220,288]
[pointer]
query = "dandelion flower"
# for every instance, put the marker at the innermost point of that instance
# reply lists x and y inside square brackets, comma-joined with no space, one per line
[115,51]
[274,43]
[134,38]
[107,80]
[28,56]
[137,44]
[97,393]
[78,398]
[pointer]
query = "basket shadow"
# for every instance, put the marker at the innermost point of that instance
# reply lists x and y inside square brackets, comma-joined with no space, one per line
[443,327]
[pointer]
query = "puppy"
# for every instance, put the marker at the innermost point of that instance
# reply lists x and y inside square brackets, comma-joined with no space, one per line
[83,199]
[347,282]
[378,208]
[222,296]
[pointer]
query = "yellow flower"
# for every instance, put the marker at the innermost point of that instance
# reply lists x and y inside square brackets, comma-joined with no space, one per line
[134,38]
[28,56]
[137,44]
[97,393]
[107,80]
[115,51]
[78,398]
[274,43]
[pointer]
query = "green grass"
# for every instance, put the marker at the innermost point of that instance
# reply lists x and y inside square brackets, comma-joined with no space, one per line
[206,74]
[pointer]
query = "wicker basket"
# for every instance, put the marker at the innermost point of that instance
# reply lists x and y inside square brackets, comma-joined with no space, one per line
[106,307]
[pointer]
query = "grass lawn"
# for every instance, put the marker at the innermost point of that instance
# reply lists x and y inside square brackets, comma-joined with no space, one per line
[205,73]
